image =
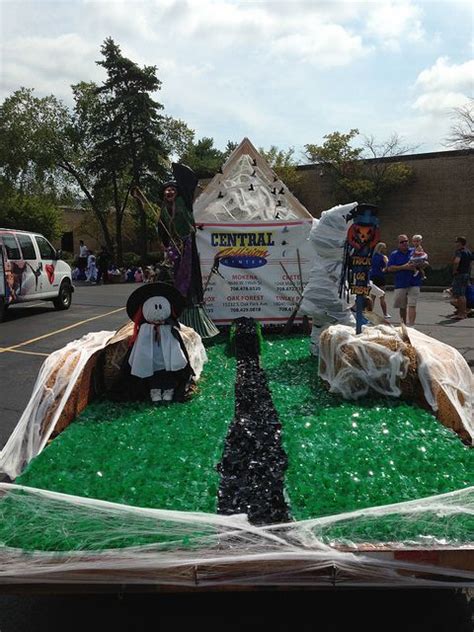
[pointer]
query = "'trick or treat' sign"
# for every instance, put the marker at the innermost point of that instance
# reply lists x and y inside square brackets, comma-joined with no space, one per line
[362,236]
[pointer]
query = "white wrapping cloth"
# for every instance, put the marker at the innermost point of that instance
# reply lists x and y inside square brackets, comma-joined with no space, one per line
[142,358]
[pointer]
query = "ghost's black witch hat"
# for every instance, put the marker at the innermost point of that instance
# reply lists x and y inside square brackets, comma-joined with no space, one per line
[144,292]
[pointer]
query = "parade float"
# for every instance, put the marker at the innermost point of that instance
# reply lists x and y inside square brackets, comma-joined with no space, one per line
[349,465]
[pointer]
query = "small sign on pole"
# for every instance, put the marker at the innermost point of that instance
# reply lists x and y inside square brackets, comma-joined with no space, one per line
[362,236]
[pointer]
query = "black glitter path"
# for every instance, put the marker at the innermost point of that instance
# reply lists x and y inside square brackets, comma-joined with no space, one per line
[253,463]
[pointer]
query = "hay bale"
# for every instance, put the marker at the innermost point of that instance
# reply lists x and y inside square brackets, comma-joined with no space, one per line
[447,382]
[426,372]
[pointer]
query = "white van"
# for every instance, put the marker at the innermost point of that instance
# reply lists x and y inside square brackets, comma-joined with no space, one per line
[31,269]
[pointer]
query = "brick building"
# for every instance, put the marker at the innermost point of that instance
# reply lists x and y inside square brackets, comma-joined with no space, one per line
[438,203]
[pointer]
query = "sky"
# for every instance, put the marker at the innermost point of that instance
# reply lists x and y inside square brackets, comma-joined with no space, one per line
[282,73]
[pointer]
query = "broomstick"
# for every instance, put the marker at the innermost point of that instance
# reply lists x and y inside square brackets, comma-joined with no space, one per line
[289,323]
[138,195]
[306,323]
[214,270]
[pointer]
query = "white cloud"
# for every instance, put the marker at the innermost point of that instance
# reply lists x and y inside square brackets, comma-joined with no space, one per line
[269,69]
[392,21]
[438,90]
[297,30]
[124,18]
[445,76]
[331,45]
[49,64]
[439,102]
[444,86]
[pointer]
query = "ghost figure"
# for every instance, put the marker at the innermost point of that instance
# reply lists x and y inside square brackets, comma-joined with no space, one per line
[158,354]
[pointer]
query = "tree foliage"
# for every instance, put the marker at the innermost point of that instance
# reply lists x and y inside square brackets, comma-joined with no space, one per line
[461,135]
[202,157]
[364,173]
[114,138]
[35,213]
[283,164]
[130,147]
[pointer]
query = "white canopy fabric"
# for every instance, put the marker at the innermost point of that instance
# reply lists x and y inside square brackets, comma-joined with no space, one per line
[247,190]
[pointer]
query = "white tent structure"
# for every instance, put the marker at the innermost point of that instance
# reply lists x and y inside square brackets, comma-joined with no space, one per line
[252,239]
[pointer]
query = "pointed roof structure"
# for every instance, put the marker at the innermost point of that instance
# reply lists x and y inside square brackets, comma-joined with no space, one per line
[247,190]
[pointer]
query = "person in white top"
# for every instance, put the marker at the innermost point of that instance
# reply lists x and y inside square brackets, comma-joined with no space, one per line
[91,271]
[83,254]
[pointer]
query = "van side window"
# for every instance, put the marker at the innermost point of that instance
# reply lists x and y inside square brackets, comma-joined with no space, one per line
[26,245]
[13,251]
[45,248]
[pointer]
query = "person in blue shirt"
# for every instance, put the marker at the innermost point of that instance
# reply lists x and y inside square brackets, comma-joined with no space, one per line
[407,286]
[461,267]
[377,274]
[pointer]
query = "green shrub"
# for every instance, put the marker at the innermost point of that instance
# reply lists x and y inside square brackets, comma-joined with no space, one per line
[31,213]
[153,257]
[131,259]
[70,258]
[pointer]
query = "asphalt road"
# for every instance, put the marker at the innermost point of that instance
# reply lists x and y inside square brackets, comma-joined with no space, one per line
[36,329]
[29,334]
[33,331]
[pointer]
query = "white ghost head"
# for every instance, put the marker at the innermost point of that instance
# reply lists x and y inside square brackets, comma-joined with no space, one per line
[156,309]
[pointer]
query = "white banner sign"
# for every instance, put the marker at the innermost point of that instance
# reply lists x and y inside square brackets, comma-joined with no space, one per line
[261,269]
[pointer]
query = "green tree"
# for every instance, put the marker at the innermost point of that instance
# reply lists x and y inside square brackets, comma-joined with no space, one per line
[229,148]
[364,173]
[176,136]
[37,213]
[131,134]
[46,149]
[283,164]
[202,157]
[114,138]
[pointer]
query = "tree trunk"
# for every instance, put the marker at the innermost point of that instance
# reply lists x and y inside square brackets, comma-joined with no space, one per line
[143,232]
[118,239]
[97,212]
[119,211]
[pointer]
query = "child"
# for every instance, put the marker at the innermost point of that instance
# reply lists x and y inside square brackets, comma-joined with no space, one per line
[419,257]
[91,272]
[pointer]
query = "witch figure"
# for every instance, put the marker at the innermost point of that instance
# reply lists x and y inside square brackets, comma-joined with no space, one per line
[177,231]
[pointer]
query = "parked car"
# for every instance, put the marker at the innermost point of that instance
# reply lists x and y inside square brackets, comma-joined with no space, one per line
[31,269]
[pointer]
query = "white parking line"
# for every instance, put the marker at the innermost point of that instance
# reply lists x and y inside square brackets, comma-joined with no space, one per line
[37,353]
[58,331]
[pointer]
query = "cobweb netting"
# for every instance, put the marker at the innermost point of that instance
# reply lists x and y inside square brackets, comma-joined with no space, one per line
[321,300]
[47,536]
[380,359]
[137,545]
[247,193]
[62,389]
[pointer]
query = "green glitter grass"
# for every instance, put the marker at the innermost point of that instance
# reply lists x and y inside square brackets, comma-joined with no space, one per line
[347,456]
[138,454]
[341,457]
[135,454]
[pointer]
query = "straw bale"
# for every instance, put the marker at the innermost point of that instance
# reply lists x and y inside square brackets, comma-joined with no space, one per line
[80,396]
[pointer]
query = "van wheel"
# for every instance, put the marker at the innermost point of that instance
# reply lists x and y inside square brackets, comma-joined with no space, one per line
[64,298]
[3,309]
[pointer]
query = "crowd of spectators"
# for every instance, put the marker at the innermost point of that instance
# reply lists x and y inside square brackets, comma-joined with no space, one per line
[95,274]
